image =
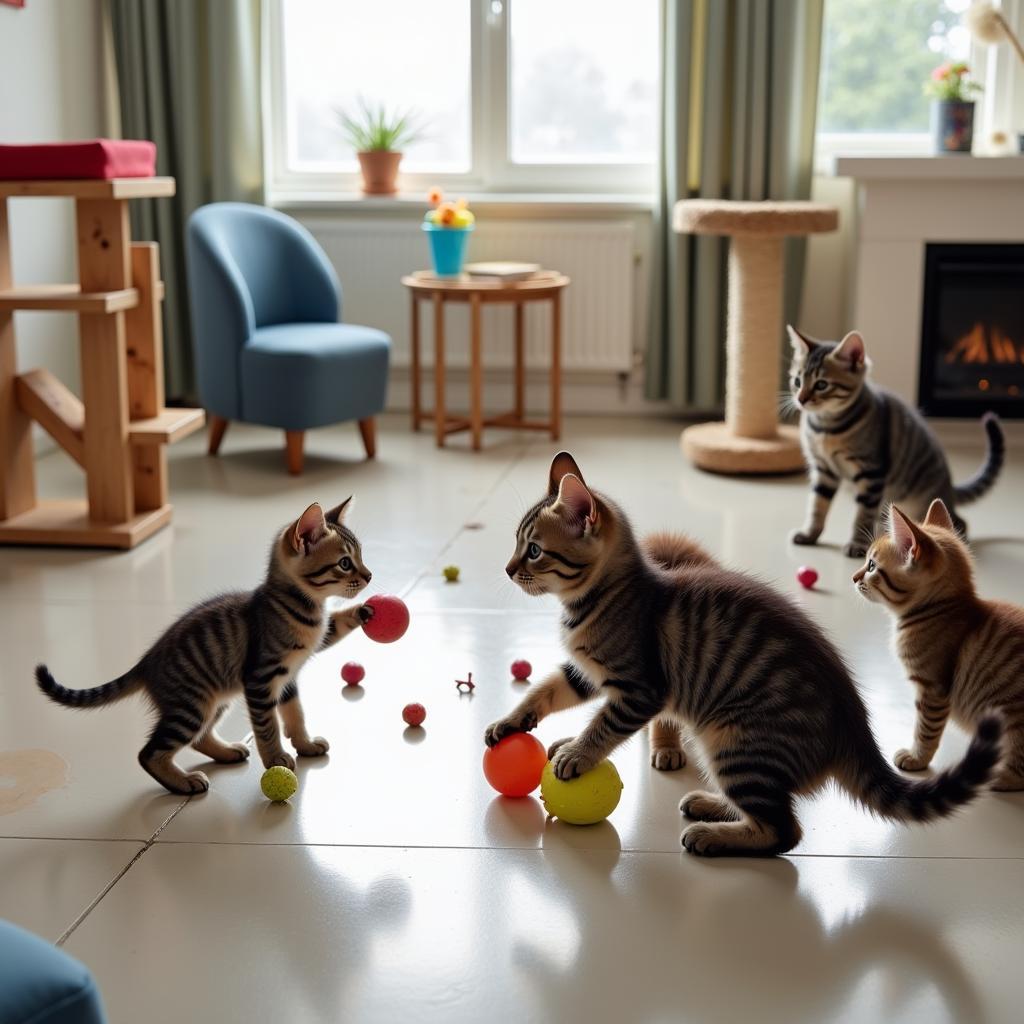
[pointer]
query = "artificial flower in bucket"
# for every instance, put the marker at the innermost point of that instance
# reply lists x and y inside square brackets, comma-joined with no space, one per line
[952,107]
[448,226]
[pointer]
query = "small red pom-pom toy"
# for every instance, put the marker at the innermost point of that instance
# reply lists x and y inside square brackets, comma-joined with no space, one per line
[414,714]
[353,673]
[390,619]
[806,576]
[514,766]
[521,669]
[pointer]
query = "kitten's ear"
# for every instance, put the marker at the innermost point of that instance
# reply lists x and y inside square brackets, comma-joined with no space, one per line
[938,515]
[906,535]
[338,512]
[578,502]
[851,350]
[308,528]
[561,464]
[800,342]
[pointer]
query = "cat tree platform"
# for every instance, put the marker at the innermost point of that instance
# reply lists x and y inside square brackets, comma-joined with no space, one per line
[751,440]
[118,430]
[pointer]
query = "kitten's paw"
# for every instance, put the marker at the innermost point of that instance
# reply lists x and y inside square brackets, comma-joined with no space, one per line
[241,752]
[497,731]
[703,841]
[907,762]
[365,613]
[557,745]
[702,806]
[801,537]
[855,549]
[315,747]
[570,761]
[195,782]
[282,758]
[667,759]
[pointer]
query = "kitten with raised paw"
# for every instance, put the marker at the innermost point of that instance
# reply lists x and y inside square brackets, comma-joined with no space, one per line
[850,429]
[962,653]
[681,641]
[250,643]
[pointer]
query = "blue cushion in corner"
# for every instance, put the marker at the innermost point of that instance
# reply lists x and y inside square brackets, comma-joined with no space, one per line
[40,984]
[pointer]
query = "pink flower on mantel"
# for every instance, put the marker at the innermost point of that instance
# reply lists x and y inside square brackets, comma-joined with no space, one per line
[942,72]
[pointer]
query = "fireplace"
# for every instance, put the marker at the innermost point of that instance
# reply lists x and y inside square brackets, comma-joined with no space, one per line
[972,330]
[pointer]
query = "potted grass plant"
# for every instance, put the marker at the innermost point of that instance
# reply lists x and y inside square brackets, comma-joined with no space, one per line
[952,107]
[378,135]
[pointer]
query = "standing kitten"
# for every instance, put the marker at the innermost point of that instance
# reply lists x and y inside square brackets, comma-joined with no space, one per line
[759,685]
[964,654]
[852,430]
[252,643]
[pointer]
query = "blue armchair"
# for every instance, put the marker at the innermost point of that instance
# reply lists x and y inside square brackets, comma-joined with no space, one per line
[269,349]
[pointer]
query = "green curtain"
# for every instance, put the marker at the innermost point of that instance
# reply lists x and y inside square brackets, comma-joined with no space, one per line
[740,89]
[188,78]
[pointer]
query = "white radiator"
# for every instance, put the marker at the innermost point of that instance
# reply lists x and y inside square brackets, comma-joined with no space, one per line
[372,255]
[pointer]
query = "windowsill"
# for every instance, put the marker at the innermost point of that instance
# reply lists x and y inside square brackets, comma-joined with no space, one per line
[945,167]
[519,203]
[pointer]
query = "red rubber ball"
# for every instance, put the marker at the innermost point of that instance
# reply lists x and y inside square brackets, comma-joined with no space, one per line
[414,714]
[521,669]
[390,619]
[514,766]
[806,576]
[353,673]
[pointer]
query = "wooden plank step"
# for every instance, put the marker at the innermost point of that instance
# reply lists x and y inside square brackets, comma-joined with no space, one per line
[56,409]
[67,523]
[169,426]
[92,188]
[67,298]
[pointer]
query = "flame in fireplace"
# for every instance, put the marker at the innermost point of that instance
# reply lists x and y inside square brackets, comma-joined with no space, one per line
[981,346]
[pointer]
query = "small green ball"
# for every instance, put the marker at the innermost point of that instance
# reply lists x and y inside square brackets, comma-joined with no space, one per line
[279,783]
[451,573]
[582,801]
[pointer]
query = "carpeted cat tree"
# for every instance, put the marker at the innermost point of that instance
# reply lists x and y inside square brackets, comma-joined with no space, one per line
[751,439]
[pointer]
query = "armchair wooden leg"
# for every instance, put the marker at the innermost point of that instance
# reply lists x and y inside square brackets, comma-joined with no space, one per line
[368,428]
[218,427]
[294,440]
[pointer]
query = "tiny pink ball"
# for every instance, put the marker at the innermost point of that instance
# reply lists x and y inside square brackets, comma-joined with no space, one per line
[414,714]
[521,669]
[806,576]
[353,673]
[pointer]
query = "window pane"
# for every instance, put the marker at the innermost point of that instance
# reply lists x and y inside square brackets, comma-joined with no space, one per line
[877,56]
[383,51]
[583,81]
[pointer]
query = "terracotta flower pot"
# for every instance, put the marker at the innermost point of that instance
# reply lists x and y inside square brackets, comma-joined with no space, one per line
[380,171]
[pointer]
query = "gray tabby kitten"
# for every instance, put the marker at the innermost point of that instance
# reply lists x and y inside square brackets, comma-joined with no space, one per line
[762,690]
[252,643]
[852,430]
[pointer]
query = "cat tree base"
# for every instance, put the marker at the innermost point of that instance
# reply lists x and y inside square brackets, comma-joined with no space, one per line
[713,447]
[67,524]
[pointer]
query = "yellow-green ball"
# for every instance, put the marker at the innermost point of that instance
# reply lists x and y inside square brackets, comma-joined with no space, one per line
[451,573]
[279,783]
[583,801]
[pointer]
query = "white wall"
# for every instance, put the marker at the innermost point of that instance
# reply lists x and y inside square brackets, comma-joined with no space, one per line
[50,56]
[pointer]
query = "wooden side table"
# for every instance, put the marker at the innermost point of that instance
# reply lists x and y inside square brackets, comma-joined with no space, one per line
[547,284]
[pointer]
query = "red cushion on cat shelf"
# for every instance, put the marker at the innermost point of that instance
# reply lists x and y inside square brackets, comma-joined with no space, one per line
[95,158]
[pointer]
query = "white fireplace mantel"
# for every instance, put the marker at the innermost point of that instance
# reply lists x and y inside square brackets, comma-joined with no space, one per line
[902,204]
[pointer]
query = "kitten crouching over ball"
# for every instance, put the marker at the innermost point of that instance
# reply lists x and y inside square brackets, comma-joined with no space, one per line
[251,643]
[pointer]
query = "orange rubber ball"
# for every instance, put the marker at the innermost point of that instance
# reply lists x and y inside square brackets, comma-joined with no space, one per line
[514,766]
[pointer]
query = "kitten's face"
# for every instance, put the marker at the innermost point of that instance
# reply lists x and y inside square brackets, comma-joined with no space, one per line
[322,555]
[913,562]
[826,376]
[560,541]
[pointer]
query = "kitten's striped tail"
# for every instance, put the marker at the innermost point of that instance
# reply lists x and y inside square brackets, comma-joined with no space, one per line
[881,788]
[91,698]
[980,483]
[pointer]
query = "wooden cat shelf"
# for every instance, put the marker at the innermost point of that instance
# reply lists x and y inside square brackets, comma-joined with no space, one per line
[117,431]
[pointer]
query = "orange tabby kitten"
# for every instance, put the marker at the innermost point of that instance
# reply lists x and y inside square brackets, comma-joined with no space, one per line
[963,653]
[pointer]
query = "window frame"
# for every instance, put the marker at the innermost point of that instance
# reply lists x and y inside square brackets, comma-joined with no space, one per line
[492,170]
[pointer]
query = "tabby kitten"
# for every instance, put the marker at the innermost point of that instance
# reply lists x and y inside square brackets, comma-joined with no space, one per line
[852,430]
[252,643]
[763,691]
[962,653]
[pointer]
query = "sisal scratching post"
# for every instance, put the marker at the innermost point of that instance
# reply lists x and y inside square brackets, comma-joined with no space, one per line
[751,439]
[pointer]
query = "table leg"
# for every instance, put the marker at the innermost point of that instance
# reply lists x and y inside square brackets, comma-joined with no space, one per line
[415,345]
[475,383]
[520,364]
[439,411]
[556,366]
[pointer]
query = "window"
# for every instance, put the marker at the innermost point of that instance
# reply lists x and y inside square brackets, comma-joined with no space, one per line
[876,57]
[510,95]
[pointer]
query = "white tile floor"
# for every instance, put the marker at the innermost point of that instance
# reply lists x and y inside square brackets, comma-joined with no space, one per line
[396,885]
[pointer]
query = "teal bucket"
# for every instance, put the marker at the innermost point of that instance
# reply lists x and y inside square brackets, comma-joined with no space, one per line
[447,248]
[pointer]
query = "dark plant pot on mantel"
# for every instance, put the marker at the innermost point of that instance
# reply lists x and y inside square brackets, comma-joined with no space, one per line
[952,125]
